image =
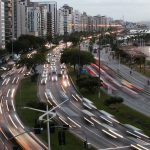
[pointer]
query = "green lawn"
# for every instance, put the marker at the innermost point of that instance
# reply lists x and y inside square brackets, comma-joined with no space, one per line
[123,113]
[1,72]
[26,93]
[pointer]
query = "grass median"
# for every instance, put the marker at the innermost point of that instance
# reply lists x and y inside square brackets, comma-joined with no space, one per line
[123,113]
[26,93]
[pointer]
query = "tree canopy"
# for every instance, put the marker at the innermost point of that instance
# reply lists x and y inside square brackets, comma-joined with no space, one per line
[89,83]
[113,100]
[74,56]
[24,43]
[38,58]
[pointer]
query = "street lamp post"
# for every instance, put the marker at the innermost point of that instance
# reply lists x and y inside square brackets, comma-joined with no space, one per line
[99,65]
[47,113]
[48,130]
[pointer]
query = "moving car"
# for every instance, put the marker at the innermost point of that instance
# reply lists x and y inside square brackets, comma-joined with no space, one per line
[54,76]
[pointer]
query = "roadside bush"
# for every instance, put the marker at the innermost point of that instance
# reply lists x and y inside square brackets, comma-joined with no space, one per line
[89,83]
[113,100]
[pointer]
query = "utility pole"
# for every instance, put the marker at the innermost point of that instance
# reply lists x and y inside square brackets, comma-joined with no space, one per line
[48,131]
[47,113]
[99,65]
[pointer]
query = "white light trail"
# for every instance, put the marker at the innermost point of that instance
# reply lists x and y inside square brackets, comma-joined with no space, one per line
[3,134]
[7,105]
[13,80]
[89,121]
[74,97]
[19,121]
[13,122]
[109,133]
[13,105]
[3,82]
[65,122]
[7,81]
[74,122]
[12,92]
[8,93]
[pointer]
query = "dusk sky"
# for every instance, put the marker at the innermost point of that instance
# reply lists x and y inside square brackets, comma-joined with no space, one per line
[132,10]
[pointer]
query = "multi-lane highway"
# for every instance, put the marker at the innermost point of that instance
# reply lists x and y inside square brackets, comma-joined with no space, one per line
[84,119]
[10,124]
[98,128]
[132,87]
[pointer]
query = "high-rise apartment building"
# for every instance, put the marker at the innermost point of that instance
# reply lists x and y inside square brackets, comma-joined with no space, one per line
[51,19]
[2,25]
[43,20]
[8,20]
[65,20]
[84,22]
[34,21]
[76,21]
[19,18]
[15,19]
[60,20]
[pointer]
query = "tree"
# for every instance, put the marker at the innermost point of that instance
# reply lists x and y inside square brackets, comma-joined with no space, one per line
[38,58]
[3,52]
[49,38]
[72,56]
[24,43]
[140,60]
[89,83]
[113,100]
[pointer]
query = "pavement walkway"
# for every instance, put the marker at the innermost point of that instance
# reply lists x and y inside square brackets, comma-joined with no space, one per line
[132,76]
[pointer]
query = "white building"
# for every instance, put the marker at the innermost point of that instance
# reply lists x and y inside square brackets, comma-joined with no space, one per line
[34,21]
[65,20]
[51,7]
[20,19]
[2,25]
[76,21]
[60,20]
[84,22]
[43,20]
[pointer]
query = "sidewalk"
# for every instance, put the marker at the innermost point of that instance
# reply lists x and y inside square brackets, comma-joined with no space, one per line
[132,76]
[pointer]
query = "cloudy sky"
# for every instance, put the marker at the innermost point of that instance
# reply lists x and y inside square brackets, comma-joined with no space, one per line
[131,10]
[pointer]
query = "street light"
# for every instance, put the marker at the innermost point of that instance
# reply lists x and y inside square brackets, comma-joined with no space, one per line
[99,65]
[47,113]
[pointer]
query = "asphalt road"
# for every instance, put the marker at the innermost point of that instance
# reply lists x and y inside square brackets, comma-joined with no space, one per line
[71,113]
[137,96]
[11,125]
